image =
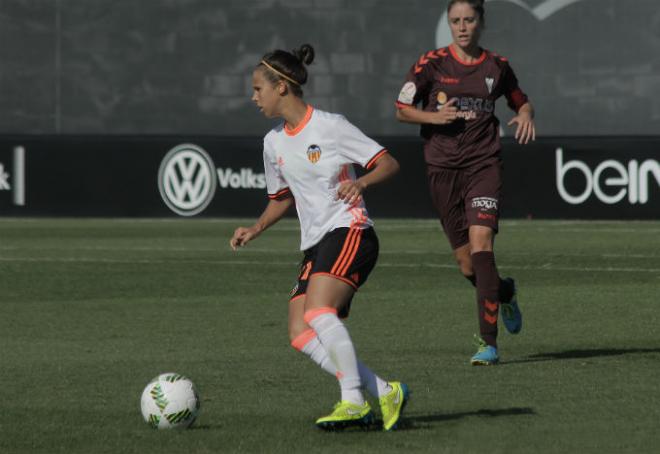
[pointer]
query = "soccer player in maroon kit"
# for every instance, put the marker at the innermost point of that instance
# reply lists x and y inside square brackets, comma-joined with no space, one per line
[458,86]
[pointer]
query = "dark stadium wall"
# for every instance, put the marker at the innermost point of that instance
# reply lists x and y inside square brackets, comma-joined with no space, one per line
[584,178]
[592,67]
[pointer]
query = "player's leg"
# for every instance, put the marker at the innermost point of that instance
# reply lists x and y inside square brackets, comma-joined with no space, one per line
[325,297]
[464,262]
[483,263]
[392,396]
[482,212]
[346,258]
[303,338]
[507,292]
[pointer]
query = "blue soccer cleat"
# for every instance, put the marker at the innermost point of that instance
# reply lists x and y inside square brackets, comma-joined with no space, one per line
[486,354]
[511,315]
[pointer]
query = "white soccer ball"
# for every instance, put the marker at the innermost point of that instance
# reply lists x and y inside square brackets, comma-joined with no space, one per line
[170,401]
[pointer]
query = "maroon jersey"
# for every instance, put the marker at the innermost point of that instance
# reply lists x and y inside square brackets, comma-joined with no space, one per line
[439,76]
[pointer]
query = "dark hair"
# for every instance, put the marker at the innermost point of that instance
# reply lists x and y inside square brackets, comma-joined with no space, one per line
[477,5]
[289,64]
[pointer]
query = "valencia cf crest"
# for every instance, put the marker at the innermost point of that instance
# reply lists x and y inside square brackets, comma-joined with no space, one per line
[314,153]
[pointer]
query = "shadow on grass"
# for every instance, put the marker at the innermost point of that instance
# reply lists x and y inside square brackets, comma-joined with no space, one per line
[582,354]
[416,422]
[204,427]
[420,422]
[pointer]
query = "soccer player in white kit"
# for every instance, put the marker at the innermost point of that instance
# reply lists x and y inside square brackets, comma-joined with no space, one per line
[308,160]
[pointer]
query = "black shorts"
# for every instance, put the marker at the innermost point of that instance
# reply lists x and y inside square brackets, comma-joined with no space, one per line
[466,197]
[347,254]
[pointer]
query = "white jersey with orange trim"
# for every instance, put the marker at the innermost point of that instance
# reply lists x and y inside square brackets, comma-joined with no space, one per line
[310,162]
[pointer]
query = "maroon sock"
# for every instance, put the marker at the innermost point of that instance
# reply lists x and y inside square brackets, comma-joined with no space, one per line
[488,287]
[506,290]
[472,279]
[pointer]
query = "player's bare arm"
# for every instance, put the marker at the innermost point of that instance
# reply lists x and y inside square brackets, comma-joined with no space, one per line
[445,115]
[275,210]
[524,121]
[384,168]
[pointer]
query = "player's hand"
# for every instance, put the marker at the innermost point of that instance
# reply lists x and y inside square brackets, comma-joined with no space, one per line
[350,192]
[242,236]
[525,129]
[447,113]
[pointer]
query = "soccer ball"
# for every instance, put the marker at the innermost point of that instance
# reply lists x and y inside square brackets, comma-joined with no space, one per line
[170,401]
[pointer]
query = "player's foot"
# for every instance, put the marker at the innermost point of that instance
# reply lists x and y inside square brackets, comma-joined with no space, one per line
[347,414]
[511,315]
[486,354]
[393,403]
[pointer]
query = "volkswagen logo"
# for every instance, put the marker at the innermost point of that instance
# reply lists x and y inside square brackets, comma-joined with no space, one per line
[186,179]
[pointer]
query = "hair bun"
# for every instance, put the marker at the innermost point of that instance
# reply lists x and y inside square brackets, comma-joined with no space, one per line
[304,53]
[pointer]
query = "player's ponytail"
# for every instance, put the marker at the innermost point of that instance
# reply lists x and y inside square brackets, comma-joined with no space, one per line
[304,53]
[477,5]
[289,67]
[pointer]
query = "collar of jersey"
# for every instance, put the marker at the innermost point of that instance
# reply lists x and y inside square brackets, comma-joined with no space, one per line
[301,125]
[481,58]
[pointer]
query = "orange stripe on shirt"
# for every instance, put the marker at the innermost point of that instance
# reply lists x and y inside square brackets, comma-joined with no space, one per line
[279,193]
[347,263]
[342,254]
[359,217]
[376,157]
[293,131]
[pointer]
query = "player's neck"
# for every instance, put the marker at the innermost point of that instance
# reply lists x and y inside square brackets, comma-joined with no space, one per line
[294,112]
[468,54]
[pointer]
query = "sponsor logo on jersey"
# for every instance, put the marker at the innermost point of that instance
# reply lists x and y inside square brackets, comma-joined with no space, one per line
[441,97]
[314,153]
[633,180]
[486,216]
[484,203]
[489,84]
[186,179]
[407,94]
[449,80]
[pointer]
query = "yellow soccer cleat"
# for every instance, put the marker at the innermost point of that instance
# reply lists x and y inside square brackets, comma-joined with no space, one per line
[393,403]
[347,414]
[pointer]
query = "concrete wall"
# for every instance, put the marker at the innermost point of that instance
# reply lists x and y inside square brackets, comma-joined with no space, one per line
[183,66]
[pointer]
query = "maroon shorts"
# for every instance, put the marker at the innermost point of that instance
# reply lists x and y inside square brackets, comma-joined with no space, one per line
[346,254]
[465,197]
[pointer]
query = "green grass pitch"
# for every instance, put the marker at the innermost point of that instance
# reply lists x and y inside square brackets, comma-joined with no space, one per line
[91,310]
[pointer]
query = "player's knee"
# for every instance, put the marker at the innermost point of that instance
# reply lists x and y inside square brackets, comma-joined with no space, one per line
[294,332]
[300,338]
[465,266]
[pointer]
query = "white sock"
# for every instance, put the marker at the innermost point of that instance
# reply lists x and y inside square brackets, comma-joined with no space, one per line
[374,385]
[309,344]
[335,338]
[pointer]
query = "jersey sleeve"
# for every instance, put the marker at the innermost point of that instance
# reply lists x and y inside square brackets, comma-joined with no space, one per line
[355,147]
[514,95]
[276,185]
[418,82]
